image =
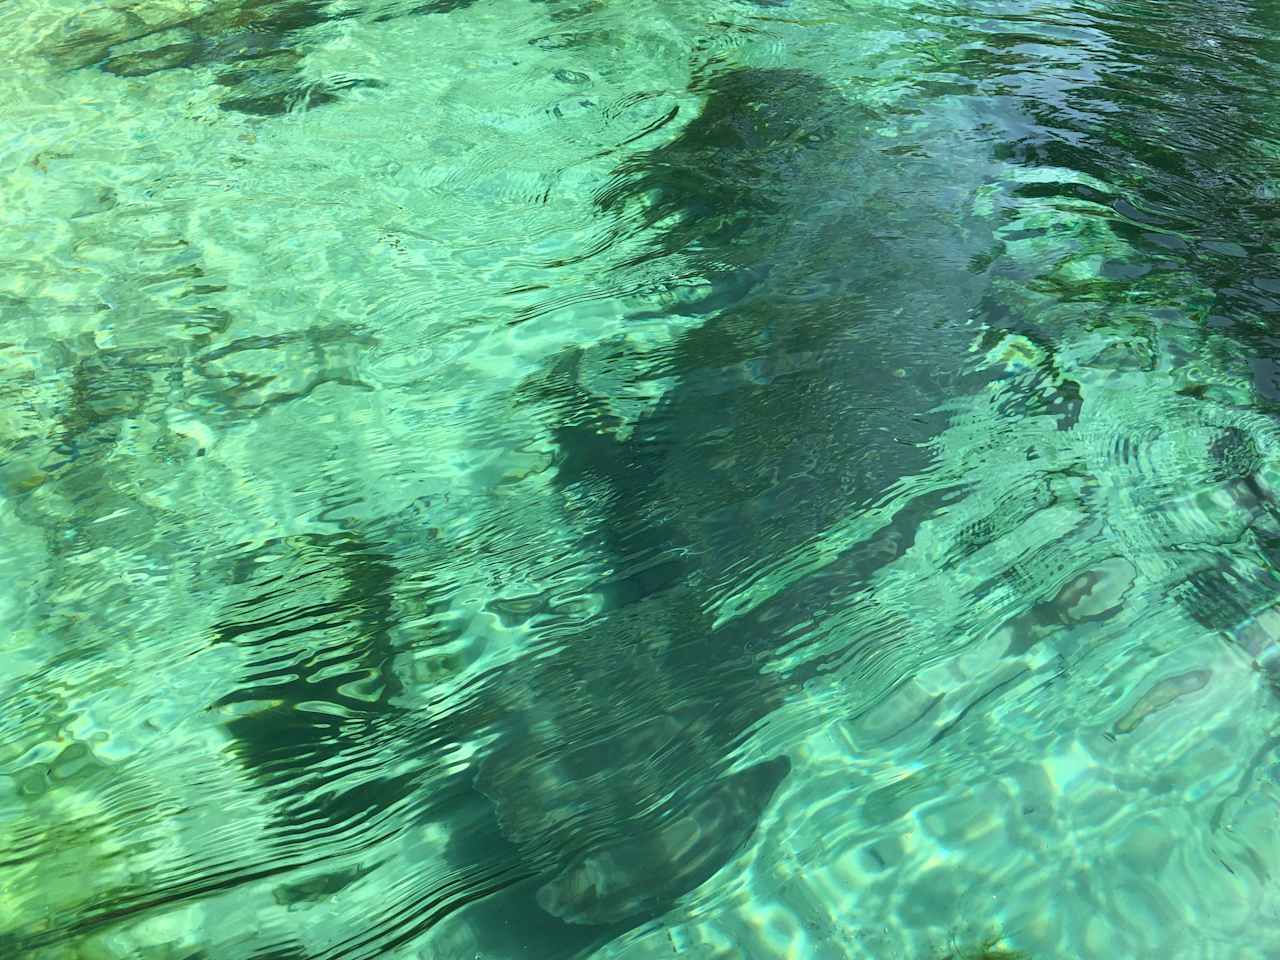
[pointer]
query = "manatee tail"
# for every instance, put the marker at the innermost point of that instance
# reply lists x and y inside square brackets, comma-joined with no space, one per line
[641,876]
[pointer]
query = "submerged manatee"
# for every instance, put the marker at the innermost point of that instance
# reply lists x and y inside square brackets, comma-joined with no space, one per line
[612,773]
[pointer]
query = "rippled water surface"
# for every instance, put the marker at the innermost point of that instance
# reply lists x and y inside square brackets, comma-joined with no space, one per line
[708,478]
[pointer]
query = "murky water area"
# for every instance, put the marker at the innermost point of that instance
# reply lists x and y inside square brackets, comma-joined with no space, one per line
[676,478]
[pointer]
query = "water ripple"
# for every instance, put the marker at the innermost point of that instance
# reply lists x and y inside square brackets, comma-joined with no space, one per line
[560,479]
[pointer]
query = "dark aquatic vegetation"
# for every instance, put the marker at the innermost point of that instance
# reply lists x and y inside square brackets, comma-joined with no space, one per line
[254,47]
[987,952]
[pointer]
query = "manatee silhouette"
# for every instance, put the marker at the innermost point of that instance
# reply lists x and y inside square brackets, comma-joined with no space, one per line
[804,390]
[610,768]
[611,774]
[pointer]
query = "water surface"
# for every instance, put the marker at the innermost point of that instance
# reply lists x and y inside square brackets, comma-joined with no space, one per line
[498,478]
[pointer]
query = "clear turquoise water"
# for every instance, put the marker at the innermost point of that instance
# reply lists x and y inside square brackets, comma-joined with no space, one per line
[710,479]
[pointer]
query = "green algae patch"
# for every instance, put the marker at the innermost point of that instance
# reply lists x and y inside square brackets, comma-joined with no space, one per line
[986,950]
